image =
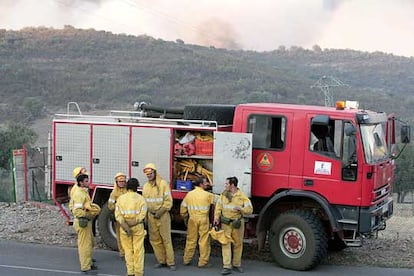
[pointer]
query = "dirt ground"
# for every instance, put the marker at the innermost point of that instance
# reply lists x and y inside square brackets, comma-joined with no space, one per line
[43,224]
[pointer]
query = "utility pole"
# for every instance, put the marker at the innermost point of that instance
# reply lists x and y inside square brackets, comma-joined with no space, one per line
[325,84]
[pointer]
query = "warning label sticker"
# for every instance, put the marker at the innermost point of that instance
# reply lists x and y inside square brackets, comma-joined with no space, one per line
[264,161]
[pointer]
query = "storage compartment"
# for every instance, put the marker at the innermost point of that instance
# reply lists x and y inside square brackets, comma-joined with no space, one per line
[193,158]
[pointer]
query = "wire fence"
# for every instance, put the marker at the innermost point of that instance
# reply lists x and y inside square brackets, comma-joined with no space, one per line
[26,179]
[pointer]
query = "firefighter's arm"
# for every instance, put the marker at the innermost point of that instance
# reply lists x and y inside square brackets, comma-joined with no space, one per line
[92,210]
[78,210]
[217,210]
[247,208]
[112,201]
[118,216]
[184,211]
[143,213]
[168,201]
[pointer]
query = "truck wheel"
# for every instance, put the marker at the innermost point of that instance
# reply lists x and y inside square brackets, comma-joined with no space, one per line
[223,114]
[106,228]
[298,240]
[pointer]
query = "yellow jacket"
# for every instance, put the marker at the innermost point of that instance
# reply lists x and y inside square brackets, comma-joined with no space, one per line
[157,195]
[130,208]
[81,204]
[226,207]
[113,197]
[196,203]
[71,191]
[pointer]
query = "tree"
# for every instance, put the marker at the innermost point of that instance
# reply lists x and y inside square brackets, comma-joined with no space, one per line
[13,136]
[34,106]
[404,174]
[316,48]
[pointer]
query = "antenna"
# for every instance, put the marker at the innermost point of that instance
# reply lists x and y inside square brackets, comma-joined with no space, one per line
[324,84]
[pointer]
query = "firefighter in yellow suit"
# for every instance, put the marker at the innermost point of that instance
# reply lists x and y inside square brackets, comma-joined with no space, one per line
[84,212]
[119,189]
[230,209]
[130,212]
[76,172]
[195,209]
[158,197]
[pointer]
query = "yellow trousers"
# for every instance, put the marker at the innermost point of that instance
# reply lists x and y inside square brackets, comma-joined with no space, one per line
[134,249]
[118,239]
[85,244]
[237,235]
[160,238]
[197,231]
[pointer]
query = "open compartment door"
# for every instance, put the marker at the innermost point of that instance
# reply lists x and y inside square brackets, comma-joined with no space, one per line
[232,157]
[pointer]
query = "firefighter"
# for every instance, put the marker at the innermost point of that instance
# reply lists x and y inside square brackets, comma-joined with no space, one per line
[195,209]
[158,197]
[230,209]
[119,189]
[76,172]
[84,212]
[130,213]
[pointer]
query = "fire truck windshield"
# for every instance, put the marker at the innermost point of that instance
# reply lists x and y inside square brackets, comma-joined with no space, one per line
[373,140]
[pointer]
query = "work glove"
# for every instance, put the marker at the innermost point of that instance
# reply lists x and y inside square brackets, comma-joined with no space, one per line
[125,226]
[92,210]
[89,215]
[160,212]
[83,222]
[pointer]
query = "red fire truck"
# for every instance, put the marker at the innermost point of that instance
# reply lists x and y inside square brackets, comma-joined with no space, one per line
[317,177]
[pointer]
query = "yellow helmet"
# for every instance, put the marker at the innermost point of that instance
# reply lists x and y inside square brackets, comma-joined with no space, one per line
[79,170]
[120,177]
[149,168]
[220,236]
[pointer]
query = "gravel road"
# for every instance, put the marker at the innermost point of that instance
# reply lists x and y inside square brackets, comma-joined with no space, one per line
[41,223]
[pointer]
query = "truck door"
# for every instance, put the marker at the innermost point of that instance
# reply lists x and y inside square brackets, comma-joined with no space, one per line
[232,156]
[150,145]
[71,149]
[110,152]
[330,159]
[272,148]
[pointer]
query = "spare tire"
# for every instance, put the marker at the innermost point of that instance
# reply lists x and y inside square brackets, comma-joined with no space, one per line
[222,114]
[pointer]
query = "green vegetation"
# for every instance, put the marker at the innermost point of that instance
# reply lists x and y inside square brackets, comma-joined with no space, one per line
[43,68]
[14,136]
[404,175]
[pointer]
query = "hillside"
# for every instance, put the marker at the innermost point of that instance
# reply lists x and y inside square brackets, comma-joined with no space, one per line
[42,69]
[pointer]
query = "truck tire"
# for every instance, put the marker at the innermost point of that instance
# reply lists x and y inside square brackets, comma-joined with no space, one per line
[106,228]
[223,114]
[298,240]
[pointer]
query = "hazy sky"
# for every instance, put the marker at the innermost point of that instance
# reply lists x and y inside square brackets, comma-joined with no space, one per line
[262,25]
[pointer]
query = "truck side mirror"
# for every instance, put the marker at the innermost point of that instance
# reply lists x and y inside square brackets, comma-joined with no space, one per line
[405,134]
